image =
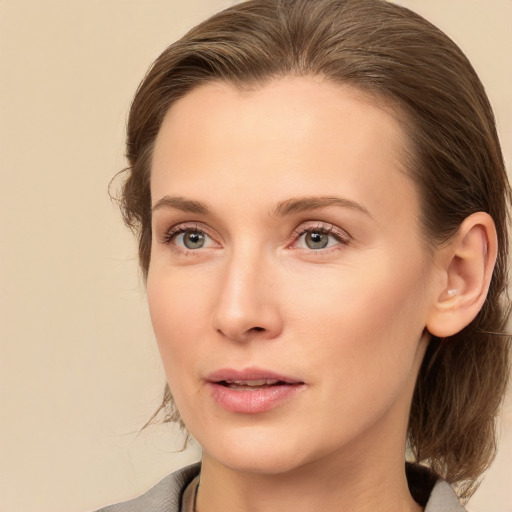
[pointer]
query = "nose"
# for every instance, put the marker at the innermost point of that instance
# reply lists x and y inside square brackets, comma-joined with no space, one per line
[247,305]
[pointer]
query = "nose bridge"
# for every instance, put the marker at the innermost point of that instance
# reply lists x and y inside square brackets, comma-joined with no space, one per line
[245,306]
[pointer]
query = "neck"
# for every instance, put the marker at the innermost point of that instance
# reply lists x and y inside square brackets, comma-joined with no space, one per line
[337,483]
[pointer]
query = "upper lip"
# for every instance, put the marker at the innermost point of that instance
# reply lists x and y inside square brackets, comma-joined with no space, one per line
[249,374]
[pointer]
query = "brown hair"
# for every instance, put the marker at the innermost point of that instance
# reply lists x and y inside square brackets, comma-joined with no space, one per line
[392,54]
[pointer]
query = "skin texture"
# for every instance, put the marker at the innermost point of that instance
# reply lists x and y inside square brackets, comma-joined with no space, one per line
[348,320]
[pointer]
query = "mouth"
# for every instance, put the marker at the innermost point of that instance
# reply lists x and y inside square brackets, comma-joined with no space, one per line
[251,378]
[247,385]
[252,391]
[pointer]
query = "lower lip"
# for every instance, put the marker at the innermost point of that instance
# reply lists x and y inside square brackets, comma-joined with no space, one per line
[252,401]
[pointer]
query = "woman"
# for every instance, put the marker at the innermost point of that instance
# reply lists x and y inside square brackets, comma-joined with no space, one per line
[321,206]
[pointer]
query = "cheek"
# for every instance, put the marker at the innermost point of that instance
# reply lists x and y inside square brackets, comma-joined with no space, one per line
[367,334]
[376,292]
[178,311]
[367,316]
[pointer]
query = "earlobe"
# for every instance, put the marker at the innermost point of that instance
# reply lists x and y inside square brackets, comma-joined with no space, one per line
[466,264]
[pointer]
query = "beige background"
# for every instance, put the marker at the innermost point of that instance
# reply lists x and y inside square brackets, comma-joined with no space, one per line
[79,372]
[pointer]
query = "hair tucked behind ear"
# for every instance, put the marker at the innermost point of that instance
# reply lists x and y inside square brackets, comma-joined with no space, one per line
[454,158]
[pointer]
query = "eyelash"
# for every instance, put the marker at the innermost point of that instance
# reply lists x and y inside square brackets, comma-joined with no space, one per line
[341,236]
[172,233]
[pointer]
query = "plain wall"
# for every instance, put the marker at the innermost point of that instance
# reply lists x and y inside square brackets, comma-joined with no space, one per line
[79,369]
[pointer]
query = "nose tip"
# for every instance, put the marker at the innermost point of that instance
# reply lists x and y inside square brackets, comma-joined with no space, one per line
[247,305]
[245,326]
[243,334]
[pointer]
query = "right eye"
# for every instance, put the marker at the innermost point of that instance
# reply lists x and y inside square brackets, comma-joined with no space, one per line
[188,238]
[191,239]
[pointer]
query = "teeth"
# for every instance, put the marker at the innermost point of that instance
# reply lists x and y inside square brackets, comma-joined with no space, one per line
[253,383]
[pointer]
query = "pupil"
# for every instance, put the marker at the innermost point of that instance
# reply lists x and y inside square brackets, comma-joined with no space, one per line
[316,240]
[193,240]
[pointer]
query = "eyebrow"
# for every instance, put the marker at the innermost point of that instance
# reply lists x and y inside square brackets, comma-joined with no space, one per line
[283,208]
[302,204]
[181,203]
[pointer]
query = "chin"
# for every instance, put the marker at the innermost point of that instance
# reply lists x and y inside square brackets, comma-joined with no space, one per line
[261,452]
[258,463]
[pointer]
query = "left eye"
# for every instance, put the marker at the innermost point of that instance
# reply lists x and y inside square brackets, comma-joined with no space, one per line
[316,239]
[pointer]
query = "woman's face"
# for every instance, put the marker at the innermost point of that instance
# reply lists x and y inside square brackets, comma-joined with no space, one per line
[288,285]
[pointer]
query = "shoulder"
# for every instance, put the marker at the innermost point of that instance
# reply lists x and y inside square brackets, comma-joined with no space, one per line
[163,497]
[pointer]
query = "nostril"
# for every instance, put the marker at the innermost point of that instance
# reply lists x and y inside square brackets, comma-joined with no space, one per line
[257,329]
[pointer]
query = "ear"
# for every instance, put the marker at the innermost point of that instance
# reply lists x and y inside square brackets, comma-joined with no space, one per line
[465,264]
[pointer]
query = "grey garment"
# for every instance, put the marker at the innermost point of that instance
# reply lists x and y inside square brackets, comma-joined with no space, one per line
[443,499]
[166,495]
[163,497]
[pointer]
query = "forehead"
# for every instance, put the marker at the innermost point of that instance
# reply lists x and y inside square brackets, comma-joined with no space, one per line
[293,136]
[286,106]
